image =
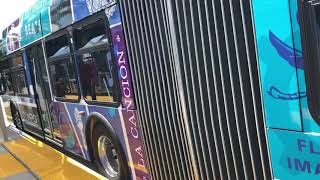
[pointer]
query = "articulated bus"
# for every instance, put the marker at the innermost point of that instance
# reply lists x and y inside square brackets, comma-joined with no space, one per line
[65,79]
[227,89]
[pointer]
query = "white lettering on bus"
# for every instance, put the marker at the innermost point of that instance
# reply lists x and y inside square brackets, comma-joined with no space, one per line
[141,161]
[126,92]
[123,72]
[125,88]
[128,103]
[132,119]
[121,60]
[134,132]
[125,82]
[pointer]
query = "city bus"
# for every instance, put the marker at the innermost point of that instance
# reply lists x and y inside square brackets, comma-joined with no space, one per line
[226,90]
[65,78]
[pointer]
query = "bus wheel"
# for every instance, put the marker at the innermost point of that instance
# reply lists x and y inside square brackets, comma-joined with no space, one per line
[108,153]
[16,118]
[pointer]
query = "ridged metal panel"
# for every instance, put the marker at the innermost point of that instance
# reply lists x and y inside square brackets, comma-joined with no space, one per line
[156,89]
[197,88]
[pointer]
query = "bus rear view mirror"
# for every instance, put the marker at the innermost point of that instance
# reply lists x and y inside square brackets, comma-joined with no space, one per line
[309,19]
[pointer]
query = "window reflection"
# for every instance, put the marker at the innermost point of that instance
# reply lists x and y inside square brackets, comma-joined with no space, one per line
[95,62]
[64,79]
[96,76]
[6,83]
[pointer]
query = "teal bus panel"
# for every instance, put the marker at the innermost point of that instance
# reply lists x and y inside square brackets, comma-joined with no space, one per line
[29,27]
[309,123]
[278,74]
[35,23]
[294,155]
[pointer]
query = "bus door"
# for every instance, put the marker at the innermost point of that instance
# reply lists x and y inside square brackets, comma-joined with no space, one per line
[40,79]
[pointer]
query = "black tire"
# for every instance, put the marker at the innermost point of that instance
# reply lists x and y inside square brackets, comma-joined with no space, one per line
[16,117]
[101,131]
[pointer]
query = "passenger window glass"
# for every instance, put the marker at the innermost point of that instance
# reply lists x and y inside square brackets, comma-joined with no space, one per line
[17,61]
[64,79]
[96,76]
[58,47]
[62,70]
[19,81]
[96,65]
[91,36]
[6,82]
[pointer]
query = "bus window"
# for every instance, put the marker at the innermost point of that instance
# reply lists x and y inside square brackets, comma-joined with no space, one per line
[58,47]
[17,62]
[8,86]
[95,62]
[64,80]
[91,36]
[5,80]
[18,76]
[19,81]
[61,69]
[6,83]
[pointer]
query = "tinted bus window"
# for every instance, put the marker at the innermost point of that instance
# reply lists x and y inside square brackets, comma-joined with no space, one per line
[95,62]
[64,80]
[91,36]
[17,62]
[5,81]
[19,81]
[58,47]
[61,68]
[18,75]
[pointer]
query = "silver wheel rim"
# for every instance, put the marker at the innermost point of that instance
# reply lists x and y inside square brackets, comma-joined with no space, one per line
[108,156]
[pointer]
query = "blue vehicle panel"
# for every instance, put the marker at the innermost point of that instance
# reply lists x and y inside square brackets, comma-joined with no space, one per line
[293,140]
[278,68]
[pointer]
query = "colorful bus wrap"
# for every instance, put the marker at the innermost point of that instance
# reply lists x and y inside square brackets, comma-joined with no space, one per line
[68,82]
[287,67]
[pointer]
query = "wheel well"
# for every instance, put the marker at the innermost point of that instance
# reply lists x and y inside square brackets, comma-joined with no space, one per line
[93,119]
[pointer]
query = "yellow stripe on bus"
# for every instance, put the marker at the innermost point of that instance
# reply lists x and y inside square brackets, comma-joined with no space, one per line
[137,167]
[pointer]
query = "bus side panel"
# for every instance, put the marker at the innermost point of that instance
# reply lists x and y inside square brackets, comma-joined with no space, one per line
[277,64]
[28,109]
[73,117]
[82,9]
[35,22]
[309,124]
[134,144]
[120,54]
[29,114]
[125,124]
[294,155]
[71,125]
[112,115]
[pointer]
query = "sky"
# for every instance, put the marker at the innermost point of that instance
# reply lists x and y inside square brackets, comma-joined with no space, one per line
[10,10]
